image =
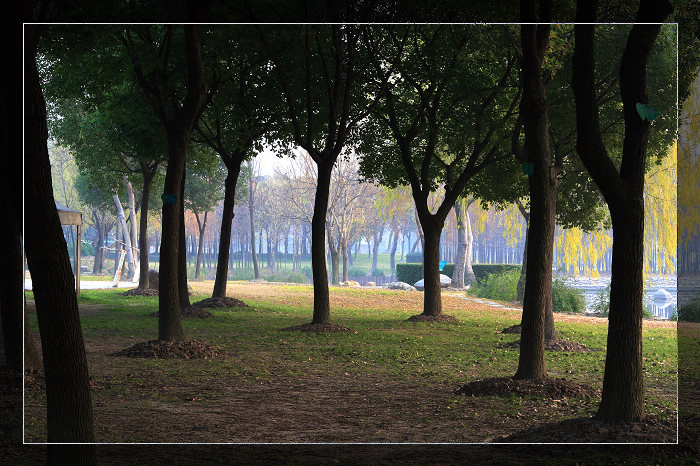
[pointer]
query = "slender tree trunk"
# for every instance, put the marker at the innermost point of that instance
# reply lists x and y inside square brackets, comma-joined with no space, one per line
[432,294]
[461,259]
[392,256]
[469,276]
[98,242]
[523,269]
[335,258]
[132,220]
[227,216]
[68,404]
[322,307]
[542,184]
[251,199]
[202,226]
[375,247]
[125,236]
[184,295]
[143,230]
[344,252]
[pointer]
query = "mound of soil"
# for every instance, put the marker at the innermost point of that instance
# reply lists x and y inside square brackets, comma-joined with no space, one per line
[140,292]
[219,302]
[191,312]
[513,329]
[555,345]
[192,349]
[427,318]
[589,430]
[318,328]
[552,388]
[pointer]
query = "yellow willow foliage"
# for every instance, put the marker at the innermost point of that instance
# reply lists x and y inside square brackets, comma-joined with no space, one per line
[660,200]
[689,166]
[514,225]
[574,246]
[480,217]
[395,202]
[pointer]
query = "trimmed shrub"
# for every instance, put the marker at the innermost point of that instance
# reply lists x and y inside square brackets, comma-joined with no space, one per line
[378,273]
[502,286]
[357,271]
[448,270]
[307,272]
[481,271]
[691,311]
[566,298]
[414,258]
[409,273]
[289,277]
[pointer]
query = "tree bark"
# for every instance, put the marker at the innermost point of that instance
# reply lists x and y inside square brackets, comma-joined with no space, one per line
[202,225]
[322,307]
[225,236]
[98,242]
[392,255]
[335,258]
[344,252]
[68,404]
[134,231]
[469,276]
[463,273]
[184,295]
[432,294]
[144,265]
[542,184]
[375,246]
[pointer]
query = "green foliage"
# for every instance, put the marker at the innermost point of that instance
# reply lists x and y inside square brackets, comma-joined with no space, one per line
[414,257]
[378,273]
[286,277]
[482,271]
[307,272]
[409,273]
[357,271]
[566,298]
[601,303]
[502,286]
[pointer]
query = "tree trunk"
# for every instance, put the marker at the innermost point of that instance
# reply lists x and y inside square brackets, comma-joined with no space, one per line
[184,295]
[461,259]
[542,184]
[523,269]
[335,259]
[227,216]
[322,307]
[251,198]
[202,227]
[344,251]
[143,230]
[98,242]
[469,276]
[134,231]
[68,405]
[375,247]
[432,294]
[392,256]
[125,236]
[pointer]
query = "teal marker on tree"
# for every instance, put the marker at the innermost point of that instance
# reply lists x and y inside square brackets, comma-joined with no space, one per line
[647,112]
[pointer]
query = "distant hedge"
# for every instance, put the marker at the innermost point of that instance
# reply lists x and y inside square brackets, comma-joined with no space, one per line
[414,258]
[481,271]
[409,273]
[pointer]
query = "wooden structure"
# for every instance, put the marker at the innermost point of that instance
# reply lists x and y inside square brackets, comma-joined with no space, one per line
[72,217]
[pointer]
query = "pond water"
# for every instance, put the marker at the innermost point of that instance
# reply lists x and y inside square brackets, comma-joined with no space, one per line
[660,295]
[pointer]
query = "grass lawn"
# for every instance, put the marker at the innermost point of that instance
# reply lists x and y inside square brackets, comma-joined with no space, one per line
[388,381]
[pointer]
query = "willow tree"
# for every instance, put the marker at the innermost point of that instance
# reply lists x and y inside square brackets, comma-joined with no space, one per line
[623,189]
[454,94]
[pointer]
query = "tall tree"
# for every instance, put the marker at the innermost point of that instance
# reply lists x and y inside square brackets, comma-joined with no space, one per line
[440,123]
[623,387]
[320,71]
[69,409]
[178,114]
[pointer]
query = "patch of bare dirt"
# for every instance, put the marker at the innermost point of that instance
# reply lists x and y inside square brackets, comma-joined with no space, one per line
[429,318]
[553,388]
[513,329]
[192,349]
[140,292]
[219,302]
[555,345]
[590,430]
[318,328]
[191,312]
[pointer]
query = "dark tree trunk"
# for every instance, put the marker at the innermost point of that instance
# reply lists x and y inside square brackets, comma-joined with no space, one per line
[68,405]
[11,285]
[225,235]
[432,294]
[542,184]
[184,295]
[623,386]
[143,227]
[322,307]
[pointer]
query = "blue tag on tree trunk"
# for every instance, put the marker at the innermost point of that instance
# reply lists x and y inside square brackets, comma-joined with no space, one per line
[442,265]
[168,199]
[529,168]
[647,112]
